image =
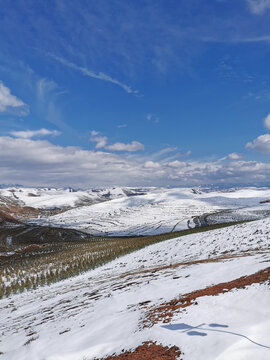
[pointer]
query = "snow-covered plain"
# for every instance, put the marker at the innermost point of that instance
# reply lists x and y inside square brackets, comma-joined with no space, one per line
[99,312]
[162,210]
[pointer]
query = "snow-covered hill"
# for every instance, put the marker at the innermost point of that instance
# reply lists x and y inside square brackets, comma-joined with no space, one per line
[133,211]
[163,210]
[108,309]
[49,198]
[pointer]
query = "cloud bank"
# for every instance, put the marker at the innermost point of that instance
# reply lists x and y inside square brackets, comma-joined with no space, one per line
[39,162]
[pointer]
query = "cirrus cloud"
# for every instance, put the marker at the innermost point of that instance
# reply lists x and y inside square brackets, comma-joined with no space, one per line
[258,7]
[92,74]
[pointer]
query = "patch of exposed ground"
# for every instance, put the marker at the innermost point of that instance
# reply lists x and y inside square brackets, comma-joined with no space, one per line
[26,250]
[165,311]
[13,210]
[149,351]
[7,218]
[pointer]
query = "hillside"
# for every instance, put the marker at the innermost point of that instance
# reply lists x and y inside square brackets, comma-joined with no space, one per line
[162,210]
[132,211]
[24,203]
[206,293]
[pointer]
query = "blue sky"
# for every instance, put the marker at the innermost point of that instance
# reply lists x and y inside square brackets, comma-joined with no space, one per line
[167,92]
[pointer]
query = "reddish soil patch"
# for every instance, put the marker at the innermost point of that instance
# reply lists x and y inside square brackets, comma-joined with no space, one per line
[166,311]
[14,212]
[25,250]
[30,248]
[149,351]
[4,217]
[11,210]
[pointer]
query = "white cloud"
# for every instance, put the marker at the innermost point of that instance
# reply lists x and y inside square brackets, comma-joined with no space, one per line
[94,132]
[151,165]
[258,7]
[9,102]
[101,142]
[234,156]
[261,144]
[92,74]
[28,134]
[28,161]
[39,162]
[152,117]
[133,146]
[122,126]
[267,122]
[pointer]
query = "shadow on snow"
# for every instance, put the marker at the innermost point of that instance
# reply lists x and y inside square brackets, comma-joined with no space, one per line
[190,330]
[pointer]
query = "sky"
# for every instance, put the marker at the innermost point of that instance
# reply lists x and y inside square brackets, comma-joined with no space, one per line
[134,93]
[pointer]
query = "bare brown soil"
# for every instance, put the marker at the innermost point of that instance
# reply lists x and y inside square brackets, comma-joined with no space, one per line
[4,217]
[12,210]
[30,248]
[165,311]
[149,351]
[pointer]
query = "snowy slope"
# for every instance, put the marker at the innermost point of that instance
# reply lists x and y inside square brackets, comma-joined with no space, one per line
[49,198]
[162,210]
[98,313]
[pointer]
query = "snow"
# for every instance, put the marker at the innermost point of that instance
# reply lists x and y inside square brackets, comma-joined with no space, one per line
[161,210]
[49,198]
[235,326]
[120,211]
[98,313]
